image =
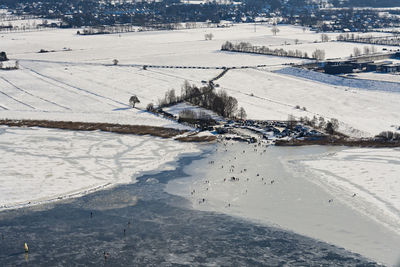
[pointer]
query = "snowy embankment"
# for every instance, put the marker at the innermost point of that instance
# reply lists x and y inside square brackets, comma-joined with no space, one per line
[340,81]
[41,165]
[275,186]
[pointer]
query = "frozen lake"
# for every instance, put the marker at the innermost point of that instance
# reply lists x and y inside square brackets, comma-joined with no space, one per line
[343,196]
[141,224]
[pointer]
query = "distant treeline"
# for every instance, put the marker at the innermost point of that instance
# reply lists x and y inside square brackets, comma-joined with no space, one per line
[369,39]
[109,29]
[264,50]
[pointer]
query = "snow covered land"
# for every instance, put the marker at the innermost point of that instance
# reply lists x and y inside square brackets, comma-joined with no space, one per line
[41,165]
[49,85]
[346,197]
[266,94]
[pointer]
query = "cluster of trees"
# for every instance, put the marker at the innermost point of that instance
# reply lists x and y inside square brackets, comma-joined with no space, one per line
[330,126]
[324,38]
[369,39]
[206,97]
[106,29]
[318,54]
[366,51]
[170,98]
[219,102]
[389,136]
[26,26]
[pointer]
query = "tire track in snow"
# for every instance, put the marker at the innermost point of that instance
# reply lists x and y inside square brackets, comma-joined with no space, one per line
[4,108]
[1,92]
[26,92]
[104,84]
[78,88]
[54,83]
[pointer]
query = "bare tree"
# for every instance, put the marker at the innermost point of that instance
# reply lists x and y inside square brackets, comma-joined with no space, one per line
[318,54]
[366,50]
[170,96]
[356,51]
[150,107]
[324,37]
[133,100]
[115,61]
[242,113]
[275,30]
[332,126]
[291,121]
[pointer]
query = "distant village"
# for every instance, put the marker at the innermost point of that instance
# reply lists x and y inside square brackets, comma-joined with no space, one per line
[320,15]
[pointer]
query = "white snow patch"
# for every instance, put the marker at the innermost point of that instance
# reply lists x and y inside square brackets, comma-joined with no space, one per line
[40,165]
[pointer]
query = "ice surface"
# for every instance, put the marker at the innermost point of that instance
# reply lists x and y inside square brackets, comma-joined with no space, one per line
[38,165]
[278,188]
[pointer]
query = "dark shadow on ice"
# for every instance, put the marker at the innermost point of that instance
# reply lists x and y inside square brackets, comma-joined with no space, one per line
[118,109]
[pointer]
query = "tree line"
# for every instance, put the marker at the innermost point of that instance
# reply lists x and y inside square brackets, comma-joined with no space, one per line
[330,126]
[245,47]
[369,39]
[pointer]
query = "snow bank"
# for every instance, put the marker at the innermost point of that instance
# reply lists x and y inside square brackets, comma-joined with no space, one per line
[40,165]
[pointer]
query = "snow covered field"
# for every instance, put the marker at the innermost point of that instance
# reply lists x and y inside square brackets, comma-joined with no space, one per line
[40,165]
[275,95]
[308,190]
[79,82]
